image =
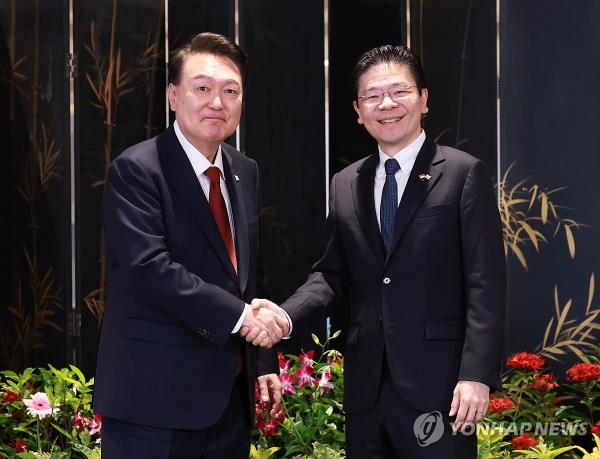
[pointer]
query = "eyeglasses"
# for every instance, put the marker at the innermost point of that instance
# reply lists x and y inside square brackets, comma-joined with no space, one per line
[375,97]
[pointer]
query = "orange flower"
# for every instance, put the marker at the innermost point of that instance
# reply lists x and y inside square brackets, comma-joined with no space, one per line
[525,361]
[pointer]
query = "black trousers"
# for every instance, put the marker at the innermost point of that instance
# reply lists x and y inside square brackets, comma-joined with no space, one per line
[394,429]
[229,438]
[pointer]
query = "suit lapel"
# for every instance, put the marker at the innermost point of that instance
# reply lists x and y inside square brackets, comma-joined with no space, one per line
[180,175]
[238,209]
[364,205]
[430,161]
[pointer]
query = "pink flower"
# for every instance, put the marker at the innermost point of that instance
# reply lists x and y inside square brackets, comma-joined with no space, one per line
[39,405]
[304,376]
[306,358]
[323,382]
[287,383]
[284,365]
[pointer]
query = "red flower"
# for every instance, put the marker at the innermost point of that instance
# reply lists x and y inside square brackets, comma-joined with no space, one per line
[499,405]
[268,429]
[10,397]
[287,383]
[306,358]
[524,441]
[19,446]
[279,416]
[596,428]
[85,424]
[544,383]
[584,372]
[525,361]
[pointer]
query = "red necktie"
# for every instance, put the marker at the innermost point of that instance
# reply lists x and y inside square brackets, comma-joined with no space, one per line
[219,211]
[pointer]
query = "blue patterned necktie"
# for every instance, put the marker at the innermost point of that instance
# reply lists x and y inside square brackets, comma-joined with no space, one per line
[389,202]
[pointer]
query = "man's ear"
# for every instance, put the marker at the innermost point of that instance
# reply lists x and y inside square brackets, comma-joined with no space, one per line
[357,110]
[172,95]
[424,99]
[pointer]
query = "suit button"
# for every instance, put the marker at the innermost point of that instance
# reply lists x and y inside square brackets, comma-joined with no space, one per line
[379,319]
[386,280]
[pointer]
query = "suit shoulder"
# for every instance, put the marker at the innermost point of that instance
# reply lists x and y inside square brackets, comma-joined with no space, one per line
[458,156]
[140,159]
[349,172]
[139,153]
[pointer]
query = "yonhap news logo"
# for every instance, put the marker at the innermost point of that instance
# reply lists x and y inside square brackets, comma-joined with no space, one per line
[428,428]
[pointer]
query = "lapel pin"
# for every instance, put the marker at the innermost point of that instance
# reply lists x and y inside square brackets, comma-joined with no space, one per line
[424,177]
[237,179]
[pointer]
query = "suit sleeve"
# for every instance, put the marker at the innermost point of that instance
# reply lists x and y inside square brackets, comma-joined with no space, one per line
[327,280]
[137,239]
[484,267]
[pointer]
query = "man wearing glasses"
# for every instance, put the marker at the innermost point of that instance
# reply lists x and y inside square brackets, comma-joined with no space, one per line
[413,256]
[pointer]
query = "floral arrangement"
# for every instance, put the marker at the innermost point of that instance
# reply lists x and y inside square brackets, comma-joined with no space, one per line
[536,416]
[46,413]
[311,420]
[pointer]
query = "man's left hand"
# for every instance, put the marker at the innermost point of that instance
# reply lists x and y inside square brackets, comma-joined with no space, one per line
[469,403]
[270,391]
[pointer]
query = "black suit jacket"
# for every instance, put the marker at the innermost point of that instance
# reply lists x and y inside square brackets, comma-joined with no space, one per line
[434,307]
[166,355]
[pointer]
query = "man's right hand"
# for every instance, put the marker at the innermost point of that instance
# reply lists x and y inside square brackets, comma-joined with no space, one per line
[263,327]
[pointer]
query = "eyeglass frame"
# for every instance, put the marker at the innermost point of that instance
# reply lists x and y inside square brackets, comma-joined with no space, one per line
[382,94]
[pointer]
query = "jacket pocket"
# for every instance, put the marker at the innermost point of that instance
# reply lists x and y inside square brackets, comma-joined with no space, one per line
[155,332]
[432,210]
[445,329]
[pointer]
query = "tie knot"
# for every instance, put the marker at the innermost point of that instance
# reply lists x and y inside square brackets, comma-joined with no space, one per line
[214,174]
[391,166]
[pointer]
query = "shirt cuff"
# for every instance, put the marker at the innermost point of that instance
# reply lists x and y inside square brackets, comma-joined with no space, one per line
[476,382]
[240,321]
[289,335]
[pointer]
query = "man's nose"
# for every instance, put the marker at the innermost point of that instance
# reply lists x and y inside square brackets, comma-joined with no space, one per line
[387,102]
[216,102]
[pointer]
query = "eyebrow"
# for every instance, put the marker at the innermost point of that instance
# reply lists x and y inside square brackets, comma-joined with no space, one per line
[207,77]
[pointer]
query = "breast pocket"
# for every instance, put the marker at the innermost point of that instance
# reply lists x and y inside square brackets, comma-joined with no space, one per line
[433,211]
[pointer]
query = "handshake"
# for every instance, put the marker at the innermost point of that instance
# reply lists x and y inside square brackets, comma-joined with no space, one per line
[265,323]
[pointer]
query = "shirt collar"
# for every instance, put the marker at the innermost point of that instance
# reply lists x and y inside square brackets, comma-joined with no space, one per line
[195,156]
[405,157]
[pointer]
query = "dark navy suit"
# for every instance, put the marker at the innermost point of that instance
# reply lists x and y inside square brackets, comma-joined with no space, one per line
[167,358]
